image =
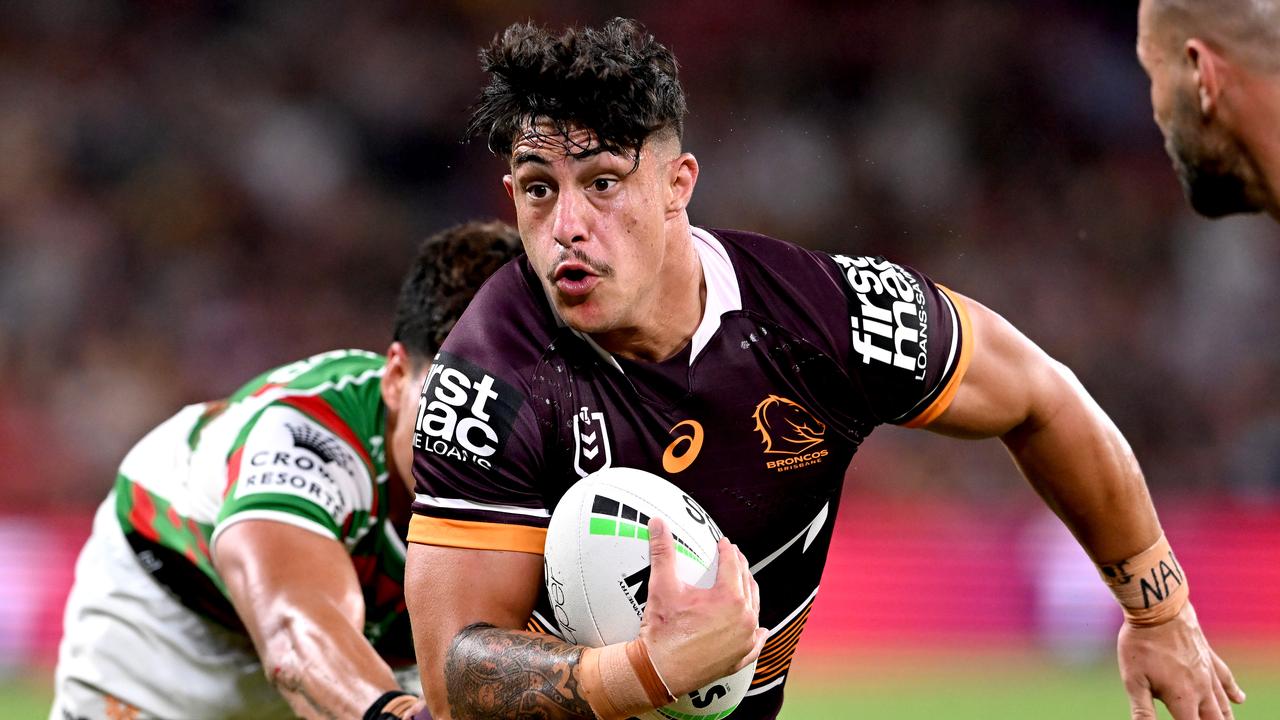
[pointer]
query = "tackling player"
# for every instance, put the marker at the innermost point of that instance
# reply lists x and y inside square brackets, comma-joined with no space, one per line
[250,554]
[744,369]
[1215,88]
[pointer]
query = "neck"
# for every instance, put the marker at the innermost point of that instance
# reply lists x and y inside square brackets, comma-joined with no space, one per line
[672,311]
[1263,141]
[1269,162]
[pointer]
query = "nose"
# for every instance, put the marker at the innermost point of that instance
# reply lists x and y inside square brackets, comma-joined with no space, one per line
[570,219]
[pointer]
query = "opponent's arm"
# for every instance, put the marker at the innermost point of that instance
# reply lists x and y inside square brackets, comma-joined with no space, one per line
[1077,460]
[300,600]
[467,607]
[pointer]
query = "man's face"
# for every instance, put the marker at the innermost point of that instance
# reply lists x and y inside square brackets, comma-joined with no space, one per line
[592,223]
[1209,162]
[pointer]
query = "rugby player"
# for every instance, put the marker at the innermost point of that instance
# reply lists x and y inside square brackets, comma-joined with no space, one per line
[248,562]
[1215,89]
[744,369]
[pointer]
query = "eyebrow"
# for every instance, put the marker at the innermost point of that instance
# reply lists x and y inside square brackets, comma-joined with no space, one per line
[528,157]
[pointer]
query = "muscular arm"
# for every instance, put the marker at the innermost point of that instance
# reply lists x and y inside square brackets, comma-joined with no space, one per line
[1081,465]
[466,606]
[493,672]
[299,597]
[493,669]
[1065,445]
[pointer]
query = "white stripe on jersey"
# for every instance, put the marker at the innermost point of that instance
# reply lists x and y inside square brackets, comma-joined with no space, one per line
[282,516]
[794,613]
[808,532]
[459,504]
[550,626]
[766,688]
[338,385]
[956,332]
[774,631]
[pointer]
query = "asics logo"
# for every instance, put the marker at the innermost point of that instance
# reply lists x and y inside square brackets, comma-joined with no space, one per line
[682,451]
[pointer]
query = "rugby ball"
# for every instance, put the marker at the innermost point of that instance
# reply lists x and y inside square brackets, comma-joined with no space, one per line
[596,565]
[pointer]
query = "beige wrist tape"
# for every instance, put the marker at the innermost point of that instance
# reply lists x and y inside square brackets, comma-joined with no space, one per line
[620,680]
[400,705]
[1150,586]
[654,686]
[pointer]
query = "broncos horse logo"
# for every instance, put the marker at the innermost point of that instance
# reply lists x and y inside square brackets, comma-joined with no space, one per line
[786,427]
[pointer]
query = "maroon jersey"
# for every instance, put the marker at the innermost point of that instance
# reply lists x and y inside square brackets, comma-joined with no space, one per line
[798,357]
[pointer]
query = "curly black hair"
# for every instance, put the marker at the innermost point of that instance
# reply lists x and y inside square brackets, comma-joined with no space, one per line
[616,81]
[448,270]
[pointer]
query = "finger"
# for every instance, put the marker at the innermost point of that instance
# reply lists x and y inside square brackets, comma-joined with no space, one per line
[1224,705]
[1233,690]
[1185,706]
[1209,710]
[762,635]
[1141,704]
[755,598]
[727,571]
[662,555]
[419,711]
[744,575]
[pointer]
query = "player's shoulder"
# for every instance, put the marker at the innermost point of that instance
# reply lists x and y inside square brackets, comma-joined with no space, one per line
[335,395]
[338,369]
[508,327]
[763,258]
[775,274]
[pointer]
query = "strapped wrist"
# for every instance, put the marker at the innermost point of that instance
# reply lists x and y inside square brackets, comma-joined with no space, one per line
[1150,586]
[620,680]
[654,686]
[389,705]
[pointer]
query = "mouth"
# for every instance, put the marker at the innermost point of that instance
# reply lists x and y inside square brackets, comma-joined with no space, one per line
[574,279]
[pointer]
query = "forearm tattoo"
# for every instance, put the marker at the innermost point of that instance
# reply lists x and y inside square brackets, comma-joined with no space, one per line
[495,673]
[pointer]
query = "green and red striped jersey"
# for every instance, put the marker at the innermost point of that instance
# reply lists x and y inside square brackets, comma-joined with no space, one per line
[302,444]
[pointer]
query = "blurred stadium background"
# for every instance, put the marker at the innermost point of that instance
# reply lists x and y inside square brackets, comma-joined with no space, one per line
[191,192]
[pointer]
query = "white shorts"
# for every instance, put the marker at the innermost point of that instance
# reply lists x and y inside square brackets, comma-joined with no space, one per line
[131,650]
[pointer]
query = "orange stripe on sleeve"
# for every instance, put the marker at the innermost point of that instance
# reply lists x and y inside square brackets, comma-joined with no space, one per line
[943,401]
[476,535]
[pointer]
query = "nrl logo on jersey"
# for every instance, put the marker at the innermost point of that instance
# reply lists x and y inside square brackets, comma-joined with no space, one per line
[787,429]
[464,413]
[591,442]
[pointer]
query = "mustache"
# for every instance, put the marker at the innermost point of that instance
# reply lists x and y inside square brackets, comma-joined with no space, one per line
[597,267]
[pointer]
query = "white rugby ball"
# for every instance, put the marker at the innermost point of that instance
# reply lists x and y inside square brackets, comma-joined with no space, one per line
[597,569]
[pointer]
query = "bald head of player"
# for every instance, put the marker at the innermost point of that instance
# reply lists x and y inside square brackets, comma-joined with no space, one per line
[590,122]
[1215,88]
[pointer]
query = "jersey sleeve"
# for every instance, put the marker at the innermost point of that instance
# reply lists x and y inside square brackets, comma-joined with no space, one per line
[301,465]
[477,454]
[910,339]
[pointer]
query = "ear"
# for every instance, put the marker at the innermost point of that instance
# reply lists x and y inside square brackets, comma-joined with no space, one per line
[1208,72]
[682,176]
[395,374]
[510,184]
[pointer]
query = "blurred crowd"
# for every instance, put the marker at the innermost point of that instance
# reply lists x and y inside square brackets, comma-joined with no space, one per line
[193,191]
